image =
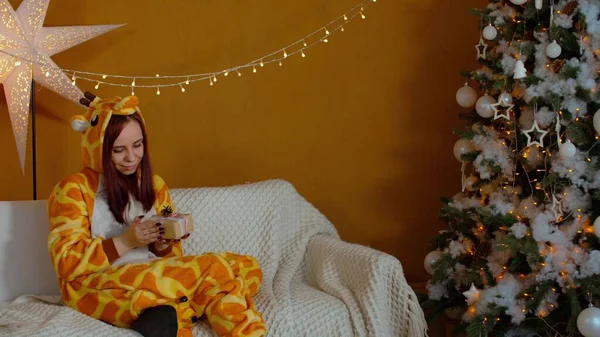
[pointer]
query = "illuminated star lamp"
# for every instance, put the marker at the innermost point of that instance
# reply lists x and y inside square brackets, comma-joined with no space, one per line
[25,51]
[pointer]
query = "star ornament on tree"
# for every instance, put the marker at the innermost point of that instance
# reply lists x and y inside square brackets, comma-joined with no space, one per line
[502,111]
[481,48]
[472,295]
[538,137]
[25,51]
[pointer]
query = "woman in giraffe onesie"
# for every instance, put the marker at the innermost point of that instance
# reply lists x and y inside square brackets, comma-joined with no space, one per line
[115,267]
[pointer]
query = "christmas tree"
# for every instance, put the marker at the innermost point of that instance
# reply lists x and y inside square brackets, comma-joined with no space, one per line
[521,252]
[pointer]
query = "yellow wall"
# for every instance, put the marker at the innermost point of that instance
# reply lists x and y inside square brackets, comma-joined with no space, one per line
[361,127]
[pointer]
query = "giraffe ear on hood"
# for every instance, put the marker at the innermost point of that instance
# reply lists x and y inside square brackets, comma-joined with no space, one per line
[128,104]
[89,99]
[78,123]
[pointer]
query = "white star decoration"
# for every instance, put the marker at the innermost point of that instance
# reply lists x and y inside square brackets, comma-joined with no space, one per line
[481,48]
[539,138]
[472,295]
[557,208]
[501,111]
[25,51]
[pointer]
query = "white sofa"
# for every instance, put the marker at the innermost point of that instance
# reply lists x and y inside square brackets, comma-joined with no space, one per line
[314,283]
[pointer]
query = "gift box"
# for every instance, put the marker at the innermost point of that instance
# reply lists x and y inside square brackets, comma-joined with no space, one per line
[176,225]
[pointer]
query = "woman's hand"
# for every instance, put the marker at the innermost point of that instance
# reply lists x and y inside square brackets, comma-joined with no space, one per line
[139,234]
[162,244]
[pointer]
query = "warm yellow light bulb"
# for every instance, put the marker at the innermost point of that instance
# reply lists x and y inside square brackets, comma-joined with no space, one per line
[226,73]
[210,82]
[182,88]
[239,74]
[261,63]
[326,31]
[133,83]
[132,91]
[325,40]
[342,29]
[303,55]
[345,17]
[157,75]
[18,63]
[304,43]
[97,85]
[254,69]
[158,90]
[74,82]
[214,78]
[104,77]
[47,74]
[187,81]
[362,15]
[280,63]
[285,55]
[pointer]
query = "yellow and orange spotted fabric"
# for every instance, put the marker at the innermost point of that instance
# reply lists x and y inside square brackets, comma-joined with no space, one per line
[220,285]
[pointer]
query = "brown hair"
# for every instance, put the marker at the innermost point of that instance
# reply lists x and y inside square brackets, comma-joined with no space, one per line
[118,186]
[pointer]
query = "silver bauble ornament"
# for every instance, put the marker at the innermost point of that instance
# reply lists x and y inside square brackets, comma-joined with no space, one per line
[597,226]
[430,259]
[518,2]
[566,150]
[588,322]
[597,121]
[553,50]
[490,32]
[470,182]
[505,99]
[483,107]
[461,147]
[466,96]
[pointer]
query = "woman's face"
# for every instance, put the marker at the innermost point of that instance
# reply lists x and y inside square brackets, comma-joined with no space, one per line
[128,149]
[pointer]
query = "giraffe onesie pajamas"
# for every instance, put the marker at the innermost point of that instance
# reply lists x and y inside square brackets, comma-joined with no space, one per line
[96,281]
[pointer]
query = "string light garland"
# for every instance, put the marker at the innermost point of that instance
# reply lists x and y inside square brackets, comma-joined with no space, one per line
[299,47]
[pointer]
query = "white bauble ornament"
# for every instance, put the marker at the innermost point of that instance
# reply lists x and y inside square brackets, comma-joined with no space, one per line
[490,32]
[588,322]
[520,71]
[597,121]
[483,107]
[597,226]
[518,2]
[566,150]
[461,147]
[469,182]
[430,259]
[505,99]
[538,4]
[553,50]
[466,96]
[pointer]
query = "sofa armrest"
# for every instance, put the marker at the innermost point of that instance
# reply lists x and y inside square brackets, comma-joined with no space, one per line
[370,283]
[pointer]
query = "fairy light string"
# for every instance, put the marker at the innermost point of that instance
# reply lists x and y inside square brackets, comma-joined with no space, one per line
[298,47]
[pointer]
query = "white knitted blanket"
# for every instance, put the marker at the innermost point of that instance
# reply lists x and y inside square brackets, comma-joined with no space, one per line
[314,284]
